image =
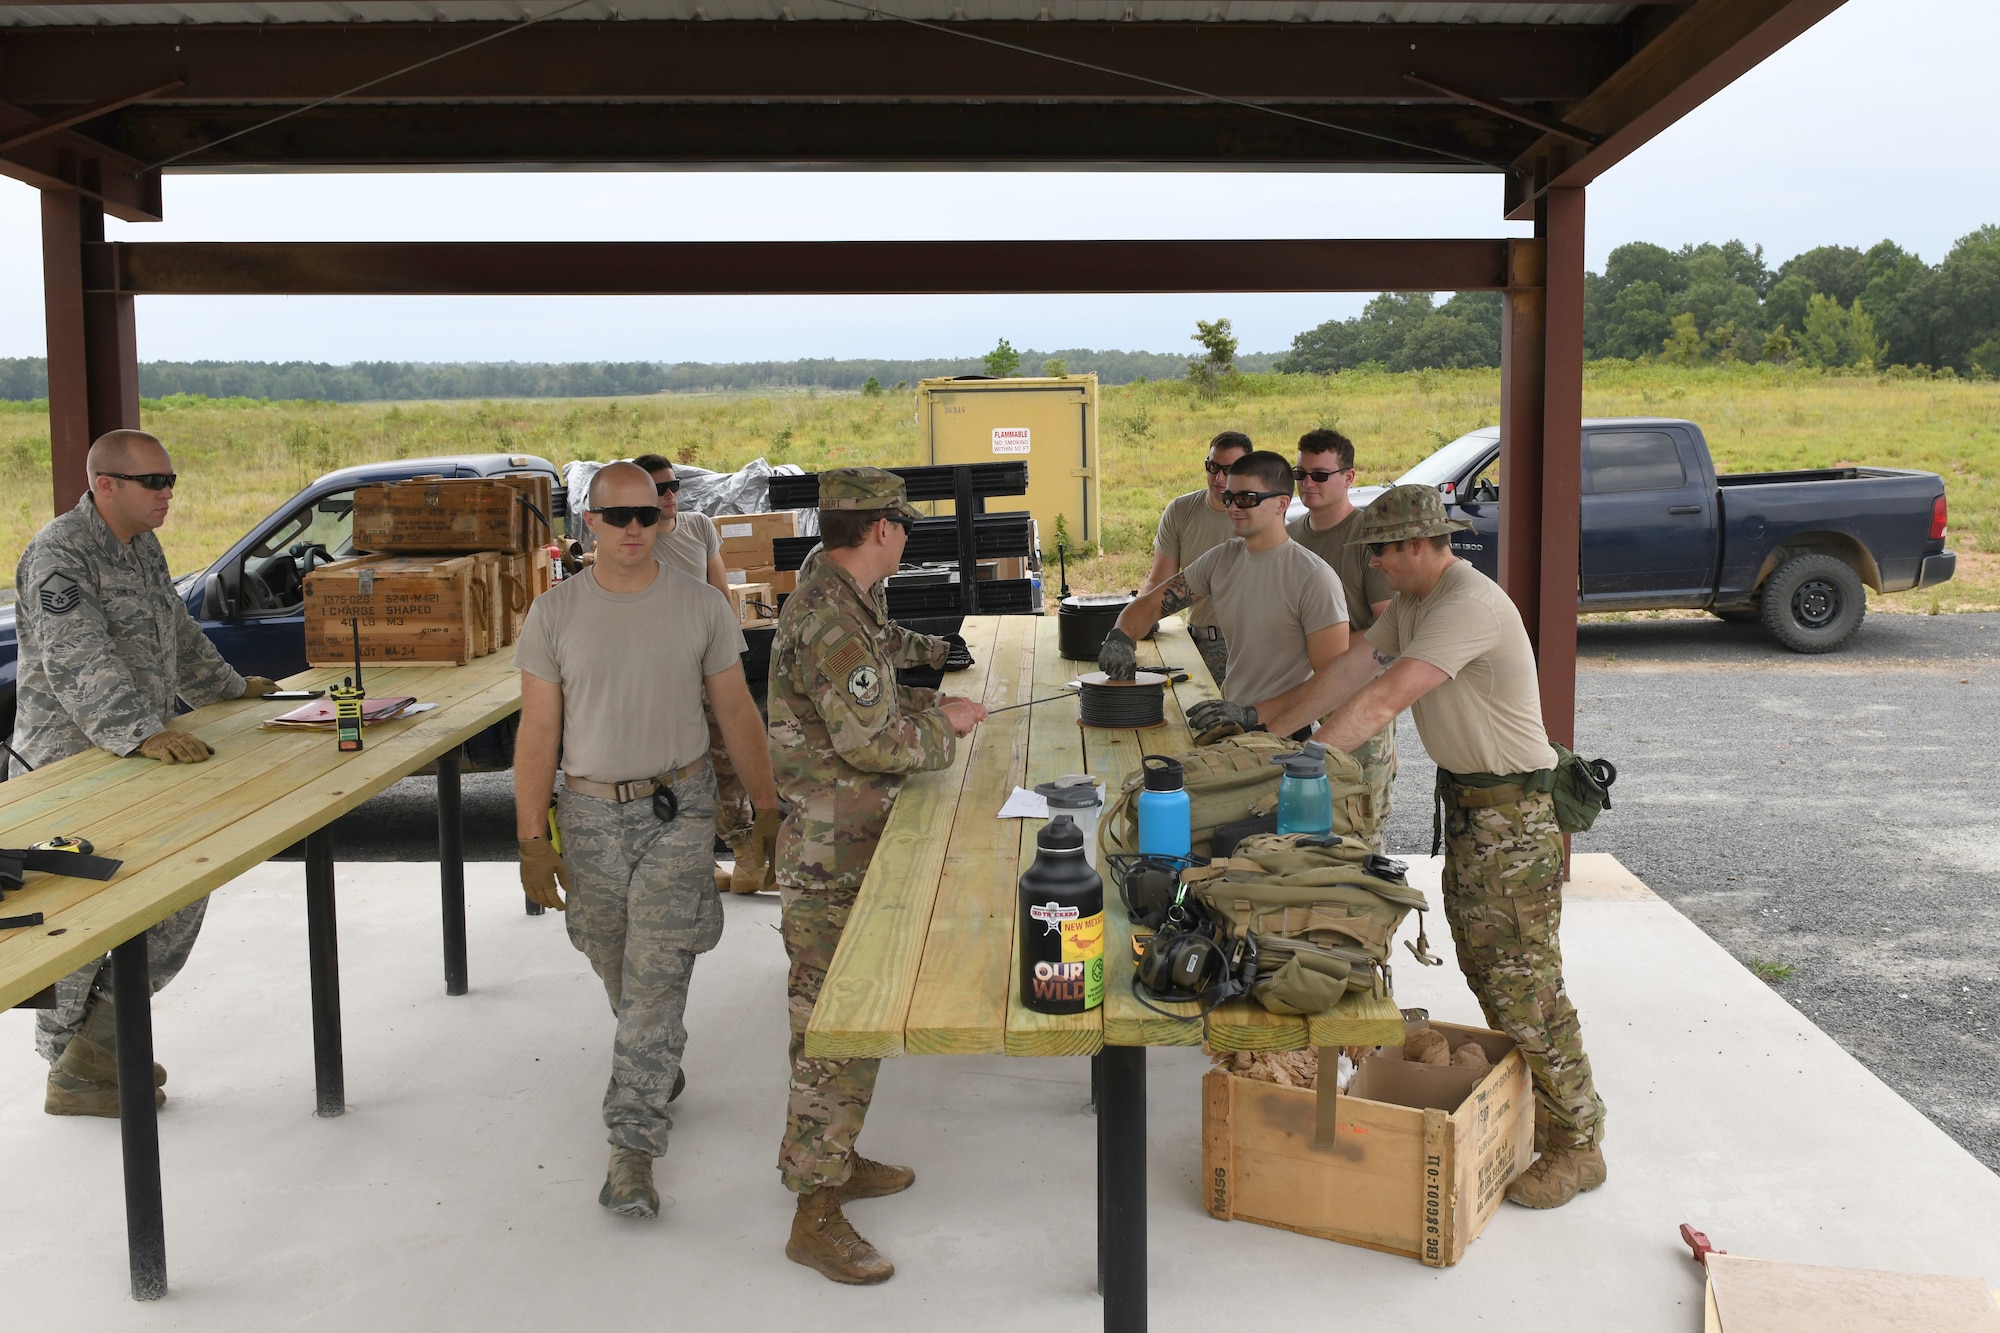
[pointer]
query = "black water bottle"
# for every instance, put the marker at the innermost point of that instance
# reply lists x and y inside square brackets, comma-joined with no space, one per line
[1062,924]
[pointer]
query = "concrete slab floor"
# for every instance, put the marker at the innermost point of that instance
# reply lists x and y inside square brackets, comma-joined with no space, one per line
[460,1189]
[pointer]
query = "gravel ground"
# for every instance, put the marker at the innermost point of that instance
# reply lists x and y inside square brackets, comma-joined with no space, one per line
[1842,803]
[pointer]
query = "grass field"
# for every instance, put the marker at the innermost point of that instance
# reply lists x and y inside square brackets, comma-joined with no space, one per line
[239,458]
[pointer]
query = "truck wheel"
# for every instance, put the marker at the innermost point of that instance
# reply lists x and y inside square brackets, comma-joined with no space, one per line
[1740,615]
[1813,603]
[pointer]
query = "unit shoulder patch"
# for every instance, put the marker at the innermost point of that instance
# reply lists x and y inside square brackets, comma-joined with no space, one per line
[59,594]
[864,684]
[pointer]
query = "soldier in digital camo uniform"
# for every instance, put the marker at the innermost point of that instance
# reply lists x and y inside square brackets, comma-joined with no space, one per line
[105,646]
[843,735]
[1452,649]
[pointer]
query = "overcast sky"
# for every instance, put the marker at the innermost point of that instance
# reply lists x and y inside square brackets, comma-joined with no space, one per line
[1875,124]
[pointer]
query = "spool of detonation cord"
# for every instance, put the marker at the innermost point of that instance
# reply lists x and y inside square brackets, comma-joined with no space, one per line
[1122,704]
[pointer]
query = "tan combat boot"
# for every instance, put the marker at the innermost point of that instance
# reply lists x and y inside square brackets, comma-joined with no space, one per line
[1558,1176]
[823,1239]
[628,1186]
[872,1180]
[69,1095]
[725,881]
[754,870]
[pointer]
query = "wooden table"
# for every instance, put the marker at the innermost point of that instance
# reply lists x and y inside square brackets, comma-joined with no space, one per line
[928,962]
[182,831]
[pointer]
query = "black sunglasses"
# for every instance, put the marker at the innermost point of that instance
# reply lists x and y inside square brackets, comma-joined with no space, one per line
[621,516]
[903,521]
[1251,499]
[671,486]
[1213,468]
[152,481]
[1319,474]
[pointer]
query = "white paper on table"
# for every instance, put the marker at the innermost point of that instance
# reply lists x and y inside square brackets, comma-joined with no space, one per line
[425,708]
[1025,804]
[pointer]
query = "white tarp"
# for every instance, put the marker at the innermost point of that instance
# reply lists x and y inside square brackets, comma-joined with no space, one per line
[744,491]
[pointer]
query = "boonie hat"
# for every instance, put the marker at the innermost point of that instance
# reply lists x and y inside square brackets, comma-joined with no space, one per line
[1403,512]
[864,488]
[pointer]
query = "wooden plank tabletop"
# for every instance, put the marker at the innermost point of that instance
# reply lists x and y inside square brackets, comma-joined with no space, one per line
[928,963]
[184,830]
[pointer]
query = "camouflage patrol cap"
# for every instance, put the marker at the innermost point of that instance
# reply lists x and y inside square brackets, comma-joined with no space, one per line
[864,488]
[1404,512]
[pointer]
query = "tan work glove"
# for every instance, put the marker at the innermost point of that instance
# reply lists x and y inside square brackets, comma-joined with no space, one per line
[256,685]
[175,747]
[542,868]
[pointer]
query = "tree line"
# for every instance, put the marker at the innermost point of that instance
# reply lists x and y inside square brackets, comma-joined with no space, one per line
[1831,307]
[27,379]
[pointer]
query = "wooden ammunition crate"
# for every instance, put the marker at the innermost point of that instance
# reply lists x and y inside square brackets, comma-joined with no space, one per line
[411,608]
[754,603]
[1422,1157]
[524,576]
[441,515]
[535,488]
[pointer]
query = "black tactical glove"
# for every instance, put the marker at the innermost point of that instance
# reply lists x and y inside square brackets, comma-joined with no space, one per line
[960,656]
[1212,719]
[1116,659]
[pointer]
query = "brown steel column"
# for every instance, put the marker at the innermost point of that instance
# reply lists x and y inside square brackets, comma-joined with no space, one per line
[1523,361]
[69,380]
[1562,464]
[93,344]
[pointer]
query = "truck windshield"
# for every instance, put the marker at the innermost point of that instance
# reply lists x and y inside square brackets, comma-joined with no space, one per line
[1450,462]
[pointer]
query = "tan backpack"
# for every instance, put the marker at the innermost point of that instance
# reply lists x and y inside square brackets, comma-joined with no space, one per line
[1237,779]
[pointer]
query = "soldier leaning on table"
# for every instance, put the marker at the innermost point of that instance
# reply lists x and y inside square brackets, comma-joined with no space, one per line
[843,736]
[1451,648]
[105,646]
[614,663]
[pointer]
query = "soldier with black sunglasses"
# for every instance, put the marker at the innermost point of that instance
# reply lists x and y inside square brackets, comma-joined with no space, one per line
[1192,525]
[107,645]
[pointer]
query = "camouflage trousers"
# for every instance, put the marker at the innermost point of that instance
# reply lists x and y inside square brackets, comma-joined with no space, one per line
[642,904]
[168,944]
[1377,756]
[733,812]
[828,1098]
[1503,898]
[1215,656]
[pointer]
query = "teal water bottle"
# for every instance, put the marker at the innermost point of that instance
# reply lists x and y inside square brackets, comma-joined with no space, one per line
[1165,826]
[1305,801]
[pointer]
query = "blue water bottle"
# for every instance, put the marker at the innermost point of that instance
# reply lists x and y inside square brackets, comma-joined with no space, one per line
[1165,828]
[1305,801]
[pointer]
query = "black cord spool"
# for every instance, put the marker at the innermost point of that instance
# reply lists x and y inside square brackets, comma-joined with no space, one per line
[1122,705]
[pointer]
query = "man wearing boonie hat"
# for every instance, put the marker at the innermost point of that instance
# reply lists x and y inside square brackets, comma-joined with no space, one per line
[843,736]
[1452,649]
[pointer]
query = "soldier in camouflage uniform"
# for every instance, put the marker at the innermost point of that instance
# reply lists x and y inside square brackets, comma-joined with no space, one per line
[615,663]
[843,735]
[106,645]
[1452,649]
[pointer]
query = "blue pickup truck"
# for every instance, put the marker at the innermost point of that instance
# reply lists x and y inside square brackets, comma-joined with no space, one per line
[251,602]
[1794,551]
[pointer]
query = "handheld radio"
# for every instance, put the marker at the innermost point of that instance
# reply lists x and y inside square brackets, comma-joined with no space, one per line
[347,700]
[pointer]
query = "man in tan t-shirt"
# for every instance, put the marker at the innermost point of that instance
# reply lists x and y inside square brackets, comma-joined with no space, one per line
[1281,609]
[614,662]
[1325,471]
[1190,526]
[688,542]
[1452,649]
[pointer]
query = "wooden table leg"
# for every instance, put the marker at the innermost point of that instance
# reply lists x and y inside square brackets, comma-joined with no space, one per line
[138,1119]
[451,870]
[323,953]
[1121,1119]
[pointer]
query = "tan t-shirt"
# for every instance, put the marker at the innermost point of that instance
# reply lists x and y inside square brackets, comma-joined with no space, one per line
[630,665]
[690,546]
[1267,602]
[1364,583]
[1488,717]
[1190,529]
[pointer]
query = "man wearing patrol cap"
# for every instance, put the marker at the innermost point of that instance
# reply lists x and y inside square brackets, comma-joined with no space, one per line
[1452,649]
[843,736]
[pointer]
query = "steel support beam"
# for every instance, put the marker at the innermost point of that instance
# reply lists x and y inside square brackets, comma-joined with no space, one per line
[93,344]
[639,60]
[1523,374]
[1562,462]
[467,268]
[63,159]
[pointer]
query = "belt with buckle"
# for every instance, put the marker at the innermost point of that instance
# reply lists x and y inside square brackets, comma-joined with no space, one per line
[638,789]
[1205,631]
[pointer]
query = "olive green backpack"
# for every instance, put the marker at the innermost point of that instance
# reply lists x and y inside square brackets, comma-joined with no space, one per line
[1237,779]
[1322,911]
